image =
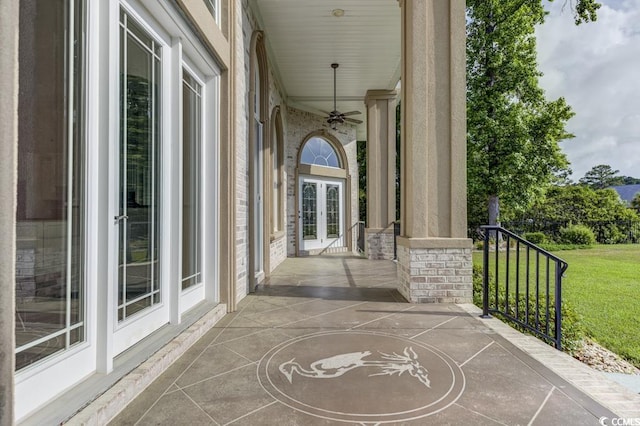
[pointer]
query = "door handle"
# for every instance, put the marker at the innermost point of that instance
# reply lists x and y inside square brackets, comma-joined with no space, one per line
[121,217]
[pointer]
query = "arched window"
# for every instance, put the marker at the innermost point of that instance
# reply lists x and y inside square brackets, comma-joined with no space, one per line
[277,155]
[319,152]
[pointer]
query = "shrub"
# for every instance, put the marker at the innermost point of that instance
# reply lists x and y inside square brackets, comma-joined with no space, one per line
[577,234]
[535,237]
[477,285]
[552,247]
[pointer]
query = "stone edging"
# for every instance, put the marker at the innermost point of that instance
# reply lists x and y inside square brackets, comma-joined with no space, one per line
[605,391]
[115,399]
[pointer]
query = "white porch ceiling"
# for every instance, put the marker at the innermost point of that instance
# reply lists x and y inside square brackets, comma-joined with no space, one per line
[304,38]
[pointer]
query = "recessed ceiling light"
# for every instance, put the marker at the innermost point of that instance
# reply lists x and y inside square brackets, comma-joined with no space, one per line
[337,12]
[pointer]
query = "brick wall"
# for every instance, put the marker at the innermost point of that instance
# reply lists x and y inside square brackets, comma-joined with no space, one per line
[249,24]
[435,275]
[299,125]
[380,244]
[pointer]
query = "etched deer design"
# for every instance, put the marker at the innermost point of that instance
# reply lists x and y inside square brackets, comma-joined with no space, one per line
[336,366]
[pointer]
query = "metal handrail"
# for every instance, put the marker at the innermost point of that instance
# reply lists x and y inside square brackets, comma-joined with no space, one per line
[534,325]
[342,236]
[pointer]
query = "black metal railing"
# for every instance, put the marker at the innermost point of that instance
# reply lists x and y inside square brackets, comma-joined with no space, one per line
[359,236]
[396,234]
[522,283]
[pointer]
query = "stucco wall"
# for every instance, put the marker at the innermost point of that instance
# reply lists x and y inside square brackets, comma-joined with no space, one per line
[299,125]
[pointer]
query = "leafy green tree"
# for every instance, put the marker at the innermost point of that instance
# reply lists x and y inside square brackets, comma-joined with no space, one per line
[599,209]
[580,204]
[362,180]
[601,176]
[635,202]
[562,177]
[585,11]
[628,180]
[513,131]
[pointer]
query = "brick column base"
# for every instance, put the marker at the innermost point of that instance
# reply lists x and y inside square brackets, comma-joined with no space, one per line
[379,243]
[435,270]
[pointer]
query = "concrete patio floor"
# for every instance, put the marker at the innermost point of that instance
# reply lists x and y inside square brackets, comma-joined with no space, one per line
[328,340]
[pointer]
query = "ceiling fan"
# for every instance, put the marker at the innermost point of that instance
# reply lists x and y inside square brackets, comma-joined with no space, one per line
[336,117]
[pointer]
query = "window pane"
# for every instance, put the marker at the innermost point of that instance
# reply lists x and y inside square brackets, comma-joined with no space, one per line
[309,211]
[211,5]
[139,165]
[191,204]
[333,211]
[319,152]
[50,211]
[275,148]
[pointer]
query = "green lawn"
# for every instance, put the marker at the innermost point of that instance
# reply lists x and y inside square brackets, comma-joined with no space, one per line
[603,284]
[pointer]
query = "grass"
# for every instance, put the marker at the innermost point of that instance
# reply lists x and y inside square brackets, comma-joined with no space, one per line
[603,285]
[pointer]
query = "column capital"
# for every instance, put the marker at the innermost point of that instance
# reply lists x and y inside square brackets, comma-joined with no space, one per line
[376,95]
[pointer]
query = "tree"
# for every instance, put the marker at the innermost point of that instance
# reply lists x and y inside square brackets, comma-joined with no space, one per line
[579,205]
[600,177]
[513,131]
[585,11]
[562,177]
[628,180]
[635,202]
[600,209]
[361,154]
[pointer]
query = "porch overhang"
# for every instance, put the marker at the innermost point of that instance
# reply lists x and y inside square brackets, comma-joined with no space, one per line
[304,37]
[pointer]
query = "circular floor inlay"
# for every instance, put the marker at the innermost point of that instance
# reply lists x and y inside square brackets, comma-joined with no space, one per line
[362,377]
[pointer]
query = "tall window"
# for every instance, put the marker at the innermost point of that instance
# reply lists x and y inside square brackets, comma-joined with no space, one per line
[213,7]
[138,263]
[191,177]
[278,165]
[50,286]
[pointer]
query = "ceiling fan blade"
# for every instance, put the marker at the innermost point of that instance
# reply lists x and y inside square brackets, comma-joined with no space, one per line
[324,112]
[353,120]
[352,113]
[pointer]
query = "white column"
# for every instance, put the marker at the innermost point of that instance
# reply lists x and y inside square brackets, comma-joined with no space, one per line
[8,187]
[434,255]
[381,173]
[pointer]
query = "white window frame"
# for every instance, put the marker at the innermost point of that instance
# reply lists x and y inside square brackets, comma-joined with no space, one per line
[214,9]
[96,354]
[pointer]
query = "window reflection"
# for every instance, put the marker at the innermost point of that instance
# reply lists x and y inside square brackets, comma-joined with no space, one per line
[50,210]
[138,262]
[191,195]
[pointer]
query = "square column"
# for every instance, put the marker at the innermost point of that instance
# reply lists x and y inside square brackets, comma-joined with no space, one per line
[8,166]
[381,173]
[434,255]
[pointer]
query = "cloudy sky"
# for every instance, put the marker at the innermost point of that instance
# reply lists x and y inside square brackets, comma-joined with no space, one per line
[596,67]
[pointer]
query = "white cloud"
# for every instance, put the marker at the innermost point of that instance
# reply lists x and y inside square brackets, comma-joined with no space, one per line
[596,67]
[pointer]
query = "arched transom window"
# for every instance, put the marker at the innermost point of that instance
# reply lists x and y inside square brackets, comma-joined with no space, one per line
[319,152]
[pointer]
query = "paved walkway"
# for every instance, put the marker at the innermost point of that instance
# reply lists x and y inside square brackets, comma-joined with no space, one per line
[329,341]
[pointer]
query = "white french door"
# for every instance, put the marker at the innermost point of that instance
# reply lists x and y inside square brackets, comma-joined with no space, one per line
[140,307]
[321,213]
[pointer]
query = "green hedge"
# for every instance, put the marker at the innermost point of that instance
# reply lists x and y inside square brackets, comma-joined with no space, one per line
[577,234]
[536,238]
